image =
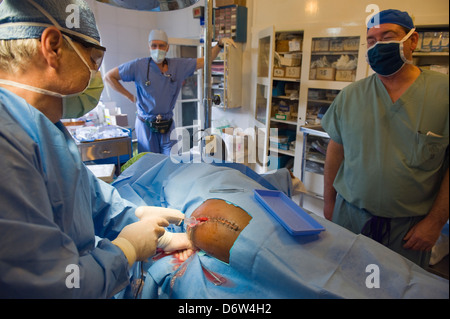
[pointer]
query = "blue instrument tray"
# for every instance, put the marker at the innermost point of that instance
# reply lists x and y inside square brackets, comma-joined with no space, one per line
[294,219]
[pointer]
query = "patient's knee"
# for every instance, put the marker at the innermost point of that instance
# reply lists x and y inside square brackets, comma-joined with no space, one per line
[222,226]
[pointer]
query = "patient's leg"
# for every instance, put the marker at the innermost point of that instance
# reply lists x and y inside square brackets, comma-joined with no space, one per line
[222,223]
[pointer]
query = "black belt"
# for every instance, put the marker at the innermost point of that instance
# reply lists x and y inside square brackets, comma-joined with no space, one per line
[158,126]
[378,228]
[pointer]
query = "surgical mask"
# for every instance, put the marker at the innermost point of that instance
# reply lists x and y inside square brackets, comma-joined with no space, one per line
[77,104]
[387,57]
[158,55]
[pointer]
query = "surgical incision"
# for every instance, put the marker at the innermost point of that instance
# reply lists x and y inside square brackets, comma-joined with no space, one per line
[221,223]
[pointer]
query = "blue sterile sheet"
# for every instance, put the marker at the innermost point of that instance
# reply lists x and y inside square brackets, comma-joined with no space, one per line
[265,261]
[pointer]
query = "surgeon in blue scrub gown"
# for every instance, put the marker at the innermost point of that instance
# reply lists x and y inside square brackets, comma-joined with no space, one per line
[63,232]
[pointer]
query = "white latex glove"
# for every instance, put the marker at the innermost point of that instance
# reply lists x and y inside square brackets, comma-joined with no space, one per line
[228,41]
[173,216]
[170,242]
[138,241]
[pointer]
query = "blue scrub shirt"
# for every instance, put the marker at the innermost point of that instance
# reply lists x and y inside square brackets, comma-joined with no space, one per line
[52,209]
[160,96]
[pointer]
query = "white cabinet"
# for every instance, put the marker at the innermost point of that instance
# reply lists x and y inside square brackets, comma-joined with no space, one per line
[333,58]
[284,92]
[342,54]
[277,97]
[188,108]
[432,51]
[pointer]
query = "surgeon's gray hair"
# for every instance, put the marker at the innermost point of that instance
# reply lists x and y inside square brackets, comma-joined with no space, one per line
[16,55]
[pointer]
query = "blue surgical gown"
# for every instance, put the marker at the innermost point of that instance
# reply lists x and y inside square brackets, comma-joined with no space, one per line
[52,209]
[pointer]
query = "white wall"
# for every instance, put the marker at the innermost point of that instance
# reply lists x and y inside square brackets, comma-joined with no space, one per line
[342,13]
[124,33]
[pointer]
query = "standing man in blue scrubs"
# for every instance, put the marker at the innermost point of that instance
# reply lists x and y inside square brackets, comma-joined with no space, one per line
[387,160]
[158,82]
[63,232]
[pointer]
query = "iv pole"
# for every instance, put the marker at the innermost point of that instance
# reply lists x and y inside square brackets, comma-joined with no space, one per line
[207,93]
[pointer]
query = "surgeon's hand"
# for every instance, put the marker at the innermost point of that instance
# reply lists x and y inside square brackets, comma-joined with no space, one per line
[138,241]
[173,216]
[171,242]
[422,236]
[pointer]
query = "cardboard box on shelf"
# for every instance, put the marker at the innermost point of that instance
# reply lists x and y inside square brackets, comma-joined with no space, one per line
[321,45]
[295,45]
[351,44]
[326,74]
[282,46]
[293,72]
[224,3]
[345,75]
[336,45]
[291,59]
[279,72]
[287,60]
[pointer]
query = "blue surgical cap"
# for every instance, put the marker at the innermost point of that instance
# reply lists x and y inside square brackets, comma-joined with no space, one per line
[158,35]
[391,16]
[27,19]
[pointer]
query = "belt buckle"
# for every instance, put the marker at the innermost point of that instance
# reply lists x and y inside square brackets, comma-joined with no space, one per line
[159,118]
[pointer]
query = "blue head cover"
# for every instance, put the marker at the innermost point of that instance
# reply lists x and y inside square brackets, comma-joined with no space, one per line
[158,35]
[27,19]
[391,16]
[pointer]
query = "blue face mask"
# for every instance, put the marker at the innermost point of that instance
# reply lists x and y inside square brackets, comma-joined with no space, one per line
[386,57]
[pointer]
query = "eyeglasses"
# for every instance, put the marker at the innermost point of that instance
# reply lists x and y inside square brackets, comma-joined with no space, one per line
[97,51]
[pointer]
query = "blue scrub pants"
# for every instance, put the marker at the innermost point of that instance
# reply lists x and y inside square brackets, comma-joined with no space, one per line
[355,220]
[149,141]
